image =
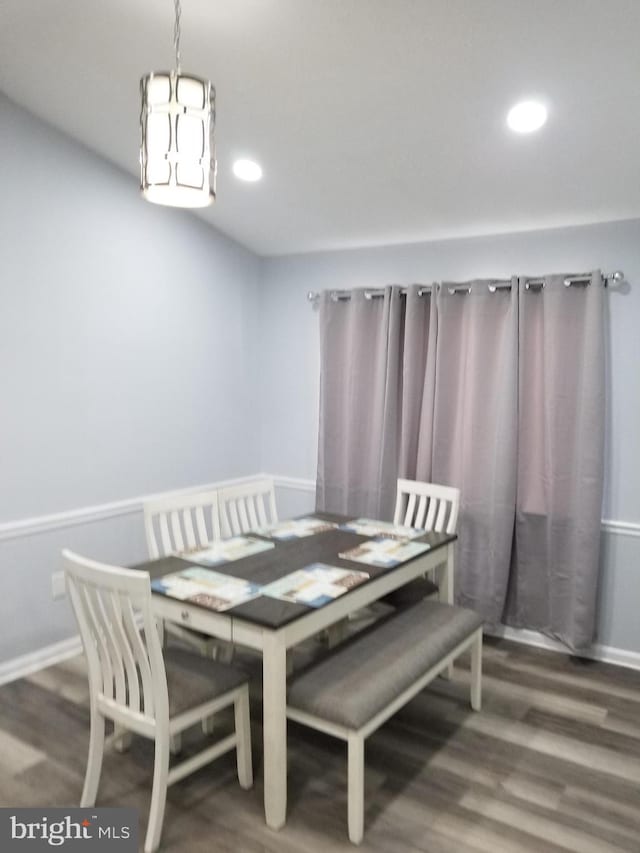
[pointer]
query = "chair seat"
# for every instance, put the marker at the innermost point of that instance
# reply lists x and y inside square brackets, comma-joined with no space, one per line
[193,679]
[411,593]
[363,675]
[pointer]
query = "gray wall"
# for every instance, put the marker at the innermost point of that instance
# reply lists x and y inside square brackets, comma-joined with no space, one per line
[289,378]
[127,349]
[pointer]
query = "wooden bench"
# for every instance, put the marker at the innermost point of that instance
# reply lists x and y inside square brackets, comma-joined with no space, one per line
[360,684]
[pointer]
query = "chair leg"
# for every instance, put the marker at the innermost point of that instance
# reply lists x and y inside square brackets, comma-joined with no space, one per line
[158,794]
[208,725]
[356,788]
[476,672]
[223,652]
[336,633]
[94,761]
[122,740]
[243,735]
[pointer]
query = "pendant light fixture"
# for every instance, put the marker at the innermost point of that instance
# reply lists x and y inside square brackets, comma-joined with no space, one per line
[177,120]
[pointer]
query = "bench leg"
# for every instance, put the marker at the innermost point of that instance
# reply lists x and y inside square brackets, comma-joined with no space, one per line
[476,672]
[356,788]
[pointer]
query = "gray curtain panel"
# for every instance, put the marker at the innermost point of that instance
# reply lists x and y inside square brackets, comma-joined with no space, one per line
[474,441]
[360,402]
[418,346]
[560,460]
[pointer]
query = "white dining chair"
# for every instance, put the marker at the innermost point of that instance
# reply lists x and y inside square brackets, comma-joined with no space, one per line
[247,507]
[142,691]
[180,523]
[429,506]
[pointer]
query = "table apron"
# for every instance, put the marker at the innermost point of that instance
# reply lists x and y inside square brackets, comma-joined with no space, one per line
[191,616]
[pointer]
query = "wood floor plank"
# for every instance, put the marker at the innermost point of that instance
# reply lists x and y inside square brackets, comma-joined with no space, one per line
[602,735]
[602,807]
[545,831]
[584,680]
[549,698]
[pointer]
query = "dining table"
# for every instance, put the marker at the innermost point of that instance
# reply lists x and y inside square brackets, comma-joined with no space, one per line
[271,626]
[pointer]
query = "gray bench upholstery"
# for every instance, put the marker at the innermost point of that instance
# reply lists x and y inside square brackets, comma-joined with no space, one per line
[361,683]
[365,674]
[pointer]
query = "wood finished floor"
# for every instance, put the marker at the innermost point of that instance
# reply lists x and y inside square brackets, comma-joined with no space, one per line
[552,763]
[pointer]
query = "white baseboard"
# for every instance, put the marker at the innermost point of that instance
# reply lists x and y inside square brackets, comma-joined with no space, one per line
[24,665]
[599,652]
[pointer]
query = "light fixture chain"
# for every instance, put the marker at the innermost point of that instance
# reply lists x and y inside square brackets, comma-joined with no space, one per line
[176,34]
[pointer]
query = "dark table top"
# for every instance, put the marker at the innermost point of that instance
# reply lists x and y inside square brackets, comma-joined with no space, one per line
[288,556]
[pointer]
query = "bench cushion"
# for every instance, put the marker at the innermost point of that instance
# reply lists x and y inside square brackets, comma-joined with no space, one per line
[365,674]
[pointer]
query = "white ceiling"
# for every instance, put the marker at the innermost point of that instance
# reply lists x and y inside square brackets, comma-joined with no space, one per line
[376,121]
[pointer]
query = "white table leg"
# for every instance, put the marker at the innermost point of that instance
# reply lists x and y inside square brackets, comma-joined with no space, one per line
[274,703]
[445,579]
[446,591]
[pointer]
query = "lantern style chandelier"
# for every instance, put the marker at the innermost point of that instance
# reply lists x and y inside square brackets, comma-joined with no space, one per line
[177,120]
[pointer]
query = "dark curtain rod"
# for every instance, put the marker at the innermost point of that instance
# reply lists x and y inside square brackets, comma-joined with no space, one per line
[493,285]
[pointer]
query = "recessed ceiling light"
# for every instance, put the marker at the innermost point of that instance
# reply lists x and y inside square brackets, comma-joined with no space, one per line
[247,170]
[527,116]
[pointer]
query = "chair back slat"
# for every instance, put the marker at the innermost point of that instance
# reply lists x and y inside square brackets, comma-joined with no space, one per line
[176,531]
[119,634]
[430,520]
[427,505]
[452,524]
[181,522]
[103,624]
[243,515]
[140,654]
[165,535]
[247,507]
[95,638]
[114,613]
[263,519]
[253,504]
[200,533]
[187,526]
[421,512]
[230,521]
[441,516]
[411,504]
[99,635]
